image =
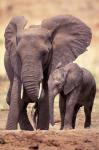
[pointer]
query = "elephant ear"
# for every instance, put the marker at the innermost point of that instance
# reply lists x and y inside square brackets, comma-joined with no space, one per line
[13,28]
[70,38]
[74,77]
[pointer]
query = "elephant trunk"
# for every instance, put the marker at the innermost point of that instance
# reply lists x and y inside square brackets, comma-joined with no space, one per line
[32,78]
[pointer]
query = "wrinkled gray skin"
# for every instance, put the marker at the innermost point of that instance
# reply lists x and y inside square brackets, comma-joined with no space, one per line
[77,88]
[31,55]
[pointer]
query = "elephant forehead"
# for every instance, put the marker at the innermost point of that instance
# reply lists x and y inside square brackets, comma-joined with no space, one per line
[57,76]
[36,32]
[30,44]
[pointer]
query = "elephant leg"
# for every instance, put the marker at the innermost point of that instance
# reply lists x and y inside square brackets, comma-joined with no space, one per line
[71,101]
[13,95]
[10,74]
[8,98]
[62,107]
[87,110]
[88,107]
[24,120]
[43,110]
[76,109]
[14,110]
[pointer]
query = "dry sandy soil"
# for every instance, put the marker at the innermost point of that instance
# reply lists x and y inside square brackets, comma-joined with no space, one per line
[50,140]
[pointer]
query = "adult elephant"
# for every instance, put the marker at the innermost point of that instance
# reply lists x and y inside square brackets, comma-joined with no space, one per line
[32,55]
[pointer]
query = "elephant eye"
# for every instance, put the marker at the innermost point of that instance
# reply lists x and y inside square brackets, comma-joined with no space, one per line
[44,52]
[57,83]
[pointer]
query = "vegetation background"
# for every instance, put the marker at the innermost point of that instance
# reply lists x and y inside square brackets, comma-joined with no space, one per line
[37,10]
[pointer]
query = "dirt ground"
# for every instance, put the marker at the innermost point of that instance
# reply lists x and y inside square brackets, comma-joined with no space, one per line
[50,140]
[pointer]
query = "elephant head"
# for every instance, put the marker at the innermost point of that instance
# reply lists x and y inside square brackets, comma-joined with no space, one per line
[29,51]
[36,51]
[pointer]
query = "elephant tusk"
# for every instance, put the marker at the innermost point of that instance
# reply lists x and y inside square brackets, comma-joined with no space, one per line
[40,90]
[21,91]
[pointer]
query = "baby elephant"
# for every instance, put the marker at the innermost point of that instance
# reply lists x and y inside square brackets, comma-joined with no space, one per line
[77,88]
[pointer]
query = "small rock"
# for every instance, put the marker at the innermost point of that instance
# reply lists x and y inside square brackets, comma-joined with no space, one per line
[86,141]
[2,141]
[34,147]
[78,148]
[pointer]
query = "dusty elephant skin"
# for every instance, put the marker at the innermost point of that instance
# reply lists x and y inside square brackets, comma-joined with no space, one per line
[31,55]
[77,88]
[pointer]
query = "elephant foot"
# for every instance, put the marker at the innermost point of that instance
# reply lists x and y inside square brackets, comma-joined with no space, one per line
[61,128]
[51,126]
[67,127]
[52,123]
[9,127]
[73,126]
[87,127]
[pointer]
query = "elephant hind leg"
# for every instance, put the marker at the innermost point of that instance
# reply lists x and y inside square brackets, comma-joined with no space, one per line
[87,110]
[88,107]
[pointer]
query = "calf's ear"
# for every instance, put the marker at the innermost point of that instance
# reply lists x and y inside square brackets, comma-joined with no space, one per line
[73,79]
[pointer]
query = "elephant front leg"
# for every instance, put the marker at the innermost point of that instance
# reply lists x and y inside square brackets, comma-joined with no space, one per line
[8,98]
[43,112]
[24,120]
[71,101]
[62,107]
[76,109]
[13,115]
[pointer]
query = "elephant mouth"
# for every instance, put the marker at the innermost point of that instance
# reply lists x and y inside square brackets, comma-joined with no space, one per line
[39,91]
